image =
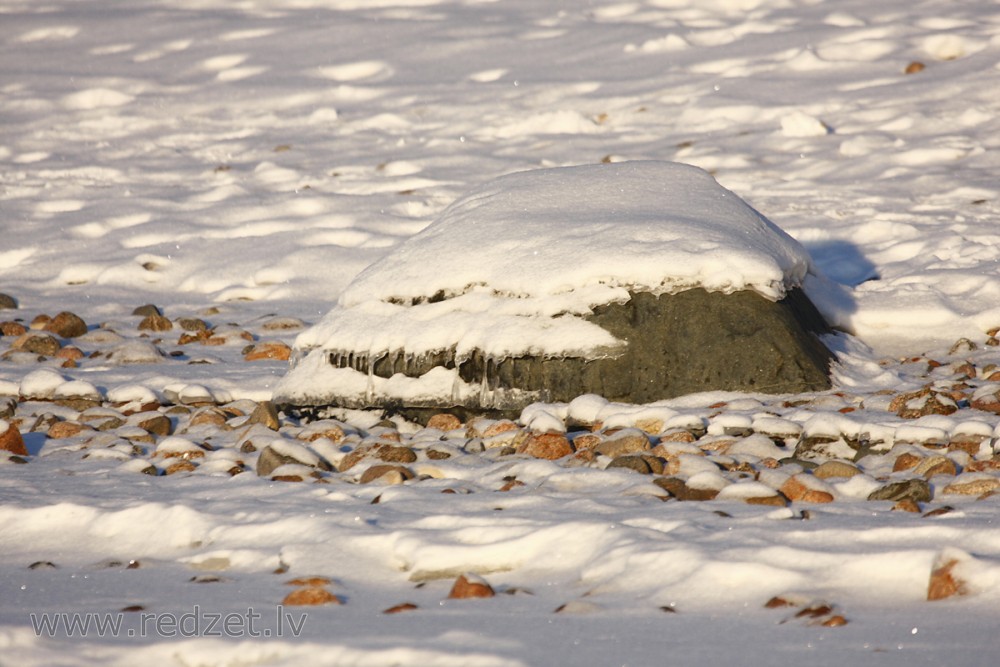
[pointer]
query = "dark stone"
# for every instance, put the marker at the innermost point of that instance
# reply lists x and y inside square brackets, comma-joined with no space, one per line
[192,324]
[917,490]
[678,344]
[7,302]
[38,343]
[147,310]
[630,462]
[681,491]
[270,460]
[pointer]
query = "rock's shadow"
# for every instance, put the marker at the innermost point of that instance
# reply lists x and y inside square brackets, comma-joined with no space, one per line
[842,261]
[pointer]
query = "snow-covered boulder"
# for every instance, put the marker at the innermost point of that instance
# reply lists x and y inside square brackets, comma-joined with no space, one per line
[638,281]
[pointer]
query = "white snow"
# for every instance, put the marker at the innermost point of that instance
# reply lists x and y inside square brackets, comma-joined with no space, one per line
[241,161]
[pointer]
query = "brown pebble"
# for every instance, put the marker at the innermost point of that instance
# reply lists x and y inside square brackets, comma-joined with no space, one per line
[11,440]
[444,422]
[155,322]
[268,350]
[834,621]
[66,325]
[386,472]
[906,461]
[401,607]
[12,329]
[778,602]
[943,584]
[906,505]
[471,586]
[309,581]
[550,446]
[310,596]
[914,67]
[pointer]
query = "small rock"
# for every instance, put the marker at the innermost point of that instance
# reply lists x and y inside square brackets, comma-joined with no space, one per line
[146,310]
[395,454]
[268,350]
[630,462]
[906,461]
[66,429]
[192,324]
[988,402]
[181,465]
[324,428]
[935,465]
[586,441]
[7,302]
[386,473]
[914,67]
[943,582]
[208,416]
[939,511]
[37,343]
[798,490]
[309,581]
[626,441]
[973,485]
[266,415]
[11,440]
[917,490]
[155,322]
[822,448]
[196,337]
[921,403]
[835,469]
[283,324]
[310,596]
[444,422]
[70,353]
[66,325]
[768,501]
[499,427]
[12,329]
[834,621]
[550,446]
[471,586]
[153,422]
[681,491]
[271,459]
[401,607]
[906,505]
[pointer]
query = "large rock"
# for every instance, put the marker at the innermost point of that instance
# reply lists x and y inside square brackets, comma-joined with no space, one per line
[636,281]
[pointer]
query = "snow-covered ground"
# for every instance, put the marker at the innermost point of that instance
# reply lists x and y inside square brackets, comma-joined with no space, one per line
[241,162]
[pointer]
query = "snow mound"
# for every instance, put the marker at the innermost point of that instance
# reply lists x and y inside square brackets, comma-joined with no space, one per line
[515,267]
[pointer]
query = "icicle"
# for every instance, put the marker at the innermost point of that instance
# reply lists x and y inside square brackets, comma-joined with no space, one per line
[370,387]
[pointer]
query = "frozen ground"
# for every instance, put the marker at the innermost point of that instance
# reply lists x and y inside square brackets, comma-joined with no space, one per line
[253,157]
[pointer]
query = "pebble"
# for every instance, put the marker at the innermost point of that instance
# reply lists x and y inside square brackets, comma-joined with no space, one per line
[549,446]
[386,474]
[470,585]
[310,596]
[917,490]
[268,350]
[66,325]
[155,322]
[11,440]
